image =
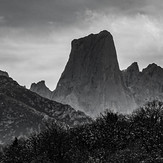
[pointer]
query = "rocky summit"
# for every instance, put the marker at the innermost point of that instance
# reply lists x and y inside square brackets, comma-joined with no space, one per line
[146,85]
[92,81]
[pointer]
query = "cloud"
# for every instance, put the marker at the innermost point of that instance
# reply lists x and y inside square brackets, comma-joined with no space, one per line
[2,18]
[64,13]
[29,58]
[137,37]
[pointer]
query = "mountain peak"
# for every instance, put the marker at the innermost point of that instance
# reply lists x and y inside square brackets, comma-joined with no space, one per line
[92,79]
[105,33]
[3,73]
[153,71]
[153,66]
[42,82]
[92,37]
[41,88]
[131,74]
[133,67]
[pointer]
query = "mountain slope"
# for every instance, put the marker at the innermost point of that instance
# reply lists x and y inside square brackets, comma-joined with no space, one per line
[22,111]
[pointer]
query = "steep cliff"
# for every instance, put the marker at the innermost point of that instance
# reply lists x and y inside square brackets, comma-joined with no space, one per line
[92,80]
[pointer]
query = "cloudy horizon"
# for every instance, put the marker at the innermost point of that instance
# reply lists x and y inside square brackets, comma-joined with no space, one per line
[35,36]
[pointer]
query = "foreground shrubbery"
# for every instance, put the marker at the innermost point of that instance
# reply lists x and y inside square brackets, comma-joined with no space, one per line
[110,138]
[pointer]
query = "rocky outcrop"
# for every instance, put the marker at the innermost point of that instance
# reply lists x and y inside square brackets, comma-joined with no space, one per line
[131,74]
[92,80]
[148,85]
[41,89]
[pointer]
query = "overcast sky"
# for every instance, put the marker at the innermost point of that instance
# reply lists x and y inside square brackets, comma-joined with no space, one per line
[35,35]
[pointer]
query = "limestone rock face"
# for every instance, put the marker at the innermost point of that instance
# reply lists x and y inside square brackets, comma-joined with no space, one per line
[41,89]
[149,85]
[131,74]
[92,80]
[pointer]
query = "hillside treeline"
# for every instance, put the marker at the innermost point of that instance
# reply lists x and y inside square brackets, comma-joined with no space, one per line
[111,138]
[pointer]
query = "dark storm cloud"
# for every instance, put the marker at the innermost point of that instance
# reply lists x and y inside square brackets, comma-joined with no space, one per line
[36,12]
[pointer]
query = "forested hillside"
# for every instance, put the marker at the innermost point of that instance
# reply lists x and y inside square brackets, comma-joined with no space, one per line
[112,137]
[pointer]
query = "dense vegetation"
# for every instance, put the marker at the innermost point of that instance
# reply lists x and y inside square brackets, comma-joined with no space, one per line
[112,137]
